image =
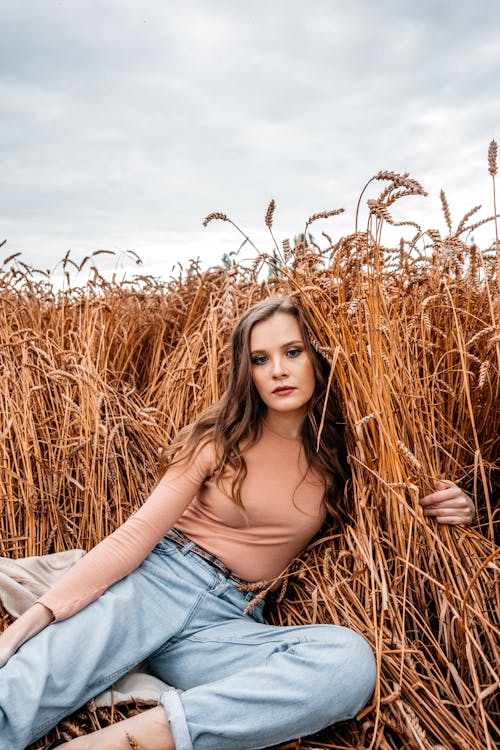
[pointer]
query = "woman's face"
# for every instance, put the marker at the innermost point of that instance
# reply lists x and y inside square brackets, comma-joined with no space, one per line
[282,370]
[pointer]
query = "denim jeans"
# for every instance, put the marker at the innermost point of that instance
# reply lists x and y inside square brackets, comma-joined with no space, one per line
[244,684]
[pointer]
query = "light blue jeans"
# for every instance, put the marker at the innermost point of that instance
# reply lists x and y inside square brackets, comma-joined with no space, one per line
[245,684]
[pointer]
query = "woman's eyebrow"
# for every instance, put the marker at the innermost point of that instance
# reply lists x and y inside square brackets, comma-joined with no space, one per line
[283,346]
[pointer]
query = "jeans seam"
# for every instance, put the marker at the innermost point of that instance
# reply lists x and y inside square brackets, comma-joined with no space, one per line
[113,676]
[176,637]
[165,552]
[41,728]
[235,641]
[291,645]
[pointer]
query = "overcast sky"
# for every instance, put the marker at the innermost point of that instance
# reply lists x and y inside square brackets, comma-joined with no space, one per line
[124,123]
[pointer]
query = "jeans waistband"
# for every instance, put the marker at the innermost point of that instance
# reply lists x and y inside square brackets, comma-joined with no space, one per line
[181,539]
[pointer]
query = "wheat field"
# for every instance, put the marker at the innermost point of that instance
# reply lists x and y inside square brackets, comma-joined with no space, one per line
[96,378]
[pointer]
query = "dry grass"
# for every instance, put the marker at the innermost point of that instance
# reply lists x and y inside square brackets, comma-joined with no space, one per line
[96,379]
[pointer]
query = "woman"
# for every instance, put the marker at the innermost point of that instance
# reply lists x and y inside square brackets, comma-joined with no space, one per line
[244,491]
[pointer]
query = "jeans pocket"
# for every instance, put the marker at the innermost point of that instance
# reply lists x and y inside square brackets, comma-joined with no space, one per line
[166,547]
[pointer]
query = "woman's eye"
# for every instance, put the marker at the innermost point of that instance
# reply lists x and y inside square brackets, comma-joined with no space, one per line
[293,353]
[260,360]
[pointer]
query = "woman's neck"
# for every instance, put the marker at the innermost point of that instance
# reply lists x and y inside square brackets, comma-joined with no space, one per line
[288,425]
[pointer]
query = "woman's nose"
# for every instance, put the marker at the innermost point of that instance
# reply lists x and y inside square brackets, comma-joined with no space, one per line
[279,367]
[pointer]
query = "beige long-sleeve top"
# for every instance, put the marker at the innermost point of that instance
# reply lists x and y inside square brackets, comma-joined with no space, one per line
[283,510]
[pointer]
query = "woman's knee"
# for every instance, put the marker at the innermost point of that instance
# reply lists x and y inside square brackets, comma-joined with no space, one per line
[349,667]
[363,667]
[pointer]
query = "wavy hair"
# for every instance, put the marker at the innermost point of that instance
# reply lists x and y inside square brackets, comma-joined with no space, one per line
[235,421]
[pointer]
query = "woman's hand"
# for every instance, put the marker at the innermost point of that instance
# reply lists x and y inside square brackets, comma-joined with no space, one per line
[6,651]
[36,618]
[448,504]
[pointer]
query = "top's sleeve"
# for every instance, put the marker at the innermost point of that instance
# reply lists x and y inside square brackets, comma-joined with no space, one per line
[122,551]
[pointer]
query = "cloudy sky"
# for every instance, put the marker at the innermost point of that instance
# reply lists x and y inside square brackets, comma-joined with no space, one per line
[124,123]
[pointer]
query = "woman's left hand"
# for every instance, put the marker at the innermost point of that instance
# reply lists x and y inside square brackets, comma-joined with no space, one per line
[448,504]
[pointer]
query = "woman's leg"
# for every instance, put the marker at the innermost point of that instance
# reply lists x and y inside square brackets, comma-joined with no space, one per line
[149,729]
[263,685]
[70,661]
[248,685]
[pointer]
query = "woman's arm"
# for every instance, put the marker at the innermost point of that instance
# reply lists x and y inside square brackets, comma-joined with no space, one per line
[116,556]
[31,622]
[448,504]
[126,548]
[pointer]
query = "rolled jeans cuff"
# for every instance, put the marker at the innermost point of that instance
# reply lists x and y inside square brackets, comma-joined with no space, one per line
[176,716]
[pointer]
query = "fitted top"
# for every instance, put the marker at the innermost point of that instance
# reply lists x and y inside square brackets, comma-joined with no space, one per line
[283,509]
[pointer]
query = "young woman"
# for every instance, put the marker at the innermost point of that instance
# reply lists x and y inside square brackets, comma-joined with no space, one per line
[244,491]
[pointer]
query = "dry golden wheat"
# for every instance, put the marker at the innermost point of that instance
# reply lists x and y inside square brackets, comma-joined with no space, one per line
[446,210]
[216,215]
[133,744]
[96,379]
[268,220]
[492,158]
[324,215]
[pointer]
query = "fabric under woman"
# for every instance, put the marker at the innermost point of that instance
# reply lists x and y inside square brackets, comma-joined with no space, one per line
[246,484]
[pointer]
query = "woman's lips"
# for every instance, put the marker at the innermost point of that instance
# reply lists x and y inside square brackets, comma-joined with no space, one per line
[283,390]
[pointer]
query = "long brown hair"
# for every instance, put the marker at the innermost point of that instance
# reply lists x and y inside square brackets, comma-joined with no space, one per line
[236,419]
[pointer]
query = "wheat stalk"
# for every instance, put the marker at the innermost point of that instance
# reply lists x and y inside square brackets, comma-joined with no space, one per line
[97,378]
[492,158]
[132,742]
[446,210]
[269,214]
[215,216]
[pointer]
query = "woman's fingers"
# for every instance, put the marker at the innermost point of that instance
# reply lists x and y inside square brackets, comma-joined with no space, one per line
[448,504]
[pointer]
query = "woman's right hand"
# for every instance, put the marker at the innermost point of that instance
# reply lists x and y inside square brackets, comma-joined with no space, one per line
[31,622]
[5,652]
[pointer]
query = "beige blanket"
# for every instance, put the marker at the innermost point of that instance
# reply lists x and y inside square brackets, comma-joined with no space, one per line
[23,581]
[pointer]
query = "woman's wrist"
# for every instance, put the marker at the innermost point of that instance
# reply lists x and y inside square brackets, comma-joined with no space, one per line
[36,618]
[31,622]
